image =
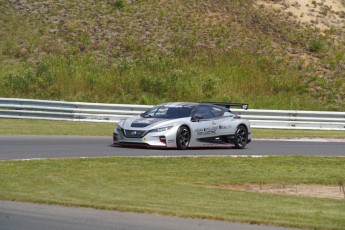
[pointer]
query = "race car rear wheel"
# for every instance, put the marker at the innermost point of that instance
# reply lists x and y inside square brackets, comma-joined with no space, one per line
[241,137]
[182,137]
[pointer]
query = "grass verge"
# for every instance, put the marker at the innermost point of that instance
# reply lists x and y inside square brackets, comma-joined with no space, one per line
[186,187]
[46,127]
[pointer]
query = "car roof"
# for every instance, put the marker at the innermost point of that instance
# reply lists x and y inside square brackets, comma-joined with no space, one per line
[179,104]
[195,104]
[188,104]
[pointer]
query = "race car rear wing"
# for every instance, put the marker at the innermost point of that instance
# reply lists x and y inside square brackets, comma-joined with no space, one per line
[230,104]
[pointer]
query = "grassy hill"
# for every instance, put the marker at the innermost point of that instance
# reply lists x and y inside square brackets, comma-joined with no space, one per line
[151,51]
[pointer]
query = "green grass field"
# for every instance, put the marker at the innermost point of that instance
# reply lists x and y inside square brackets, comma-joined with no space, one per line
[187,187]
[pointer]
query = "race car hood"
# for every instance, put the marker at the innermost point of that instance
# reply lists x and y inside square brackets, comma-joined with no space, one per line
[140,122]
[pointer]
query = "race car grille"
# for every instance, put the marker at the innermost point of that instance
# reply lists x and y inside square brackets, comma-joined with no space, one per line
[133,133]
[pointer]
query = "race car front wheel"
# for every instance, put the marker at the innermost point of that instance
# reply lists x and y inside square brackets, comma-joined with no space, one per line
[182,137]
[241,137]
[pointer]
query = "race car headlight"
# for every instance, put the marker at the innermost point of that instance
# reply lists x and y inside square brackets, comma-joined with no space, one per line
[161,129]
[118,129]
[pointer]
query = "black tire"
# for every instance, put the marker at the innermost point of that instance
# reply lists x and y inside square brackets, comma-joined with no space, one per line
[183,138]
[241,137]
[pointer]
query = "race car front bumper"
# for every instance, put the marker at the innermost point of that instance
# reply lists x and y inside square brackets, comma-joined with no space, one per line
[164,139]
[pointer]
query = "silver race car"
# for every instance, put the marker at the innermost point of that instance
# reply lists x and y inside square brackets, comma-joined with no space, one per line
[185,125]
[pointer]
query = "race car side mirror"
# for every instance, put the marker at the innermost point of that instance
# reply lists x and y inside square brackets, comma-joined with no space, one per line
[197,117]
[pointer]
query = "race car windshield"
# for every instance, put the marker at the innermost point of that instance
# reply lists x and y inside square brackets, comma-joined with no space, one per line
[168,112]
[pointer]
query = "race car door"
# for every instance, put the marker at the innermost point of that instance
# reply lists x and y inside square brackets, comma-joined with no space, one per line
[204,127]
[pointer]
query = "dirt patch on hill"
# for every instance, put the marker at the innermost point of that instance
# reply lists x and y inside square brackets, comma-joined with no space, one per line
[320,191]
[323,14]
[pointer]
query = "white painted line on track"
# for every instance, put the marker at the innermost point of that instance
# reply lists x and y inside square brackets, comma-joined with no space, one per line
[172,156]
[321,140]
[198,156]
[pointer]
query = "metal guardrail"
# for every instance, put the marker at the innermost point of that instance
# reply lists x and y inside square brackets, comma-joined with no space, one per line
[60,110]
[97,112]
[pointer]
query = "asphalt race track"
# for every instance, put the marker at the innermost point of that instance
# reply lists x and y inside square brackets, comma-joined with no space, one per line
[20,216]
[28,147]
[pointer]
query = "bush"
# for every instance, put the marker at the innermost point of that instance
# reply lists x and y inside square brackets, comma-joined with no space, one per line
[315,45]
[118,4]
